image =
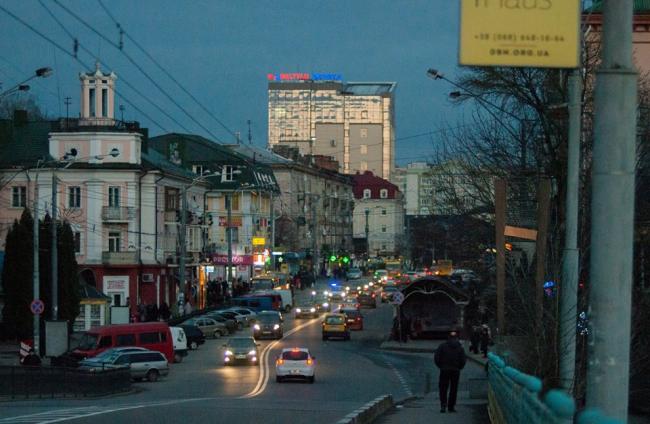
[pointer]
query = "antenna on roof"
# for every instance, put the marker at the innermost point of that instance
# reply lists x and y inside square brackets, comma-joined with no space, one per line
[250,135]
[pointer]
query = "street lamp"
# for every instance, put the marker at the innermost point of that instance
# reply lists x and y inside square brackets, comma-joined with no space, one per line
[39,73]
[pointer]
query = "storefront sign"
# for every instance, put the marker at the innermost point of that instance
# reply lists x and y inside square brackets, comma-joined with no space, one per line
[235,221]
[112,283]
[236,259]
[531,33]
[259,241]
[304,76]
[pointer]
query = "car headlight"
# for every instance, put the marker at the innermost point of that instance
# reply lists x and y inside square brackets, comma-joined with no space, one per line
[298,310]
[228,353]
[312,310]
[252,353]
[276,327]
[326,305]
[256,326]
[326,293]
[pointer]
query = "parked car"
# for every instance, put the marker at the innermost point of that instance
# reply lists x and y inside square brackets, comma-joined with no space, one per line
[268,325]
[142,364]
[295,363]
[230,323]
[240,349]
[150,335]
[208,326]
[179,340]
[195,336]
[248,313]
[241,320]
[103,357]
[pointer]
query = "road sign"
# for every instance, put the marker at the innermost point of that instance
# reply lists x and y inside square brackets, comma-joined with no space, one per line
[37,306]
[535,33]
[397,298]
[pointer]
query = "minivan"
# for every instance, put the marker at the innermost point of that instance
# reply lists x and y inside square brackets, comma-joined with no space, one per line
[150,335]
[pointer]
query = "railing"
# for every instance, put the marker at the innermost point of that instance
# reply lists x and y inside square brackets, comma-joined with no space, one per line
[118,213]
[50,382]
[514,397]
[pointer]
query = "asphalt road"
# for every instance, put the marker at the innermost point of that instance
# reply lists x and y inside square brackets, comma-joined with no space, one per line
[202,389]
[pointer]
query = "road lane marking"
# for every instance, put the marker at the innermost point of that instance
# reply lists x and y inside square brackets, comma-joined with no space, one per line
[265,370]
[400,377]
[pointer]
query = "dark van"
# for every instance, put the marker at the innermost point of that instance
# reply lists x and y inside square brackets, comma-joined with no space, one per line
[254,302]
[149,335]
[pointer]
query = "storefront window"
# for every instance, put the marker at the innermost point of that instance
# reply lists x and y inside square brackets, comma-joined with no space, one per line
[95,316]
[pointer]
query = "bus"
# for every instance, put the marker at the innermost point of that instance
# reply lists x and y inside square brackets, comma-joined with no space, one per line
[394,268]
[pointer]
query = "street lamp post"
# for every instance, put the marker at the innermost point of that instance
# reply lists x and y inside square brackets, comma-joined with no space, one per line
[22,86]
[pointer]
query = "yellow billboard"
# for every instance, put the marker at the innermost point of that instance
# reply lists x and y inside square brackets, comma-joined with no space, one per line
[259,241]
[531,33]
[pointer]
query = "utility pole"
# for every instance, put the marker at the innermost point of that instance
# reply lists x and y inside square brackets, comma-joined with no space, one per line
[571,254]
[55,253]
[543,200]
[250,134]
[181,239]
[272,223]
[68,102]
[36,282]
[500,224]
[367,211]
[314,233]
[612,215]
[229,237]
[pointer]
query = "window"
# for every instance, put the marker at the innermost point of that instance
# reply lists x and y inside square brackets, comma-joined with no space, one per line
[114,197]
[197,169]
[91,101]
[235,202]
[383,211]
[77,241]
[364,165]
[383,193]
[104,102]
[125,340]
[113,242]
[366,193]
[383,229]
[363,149]
[363,132]
[227,173]
[74,197]
[18,197]
[171,199]
[149,338]
[96,316]
[235,234]
[105,341]
[333,143]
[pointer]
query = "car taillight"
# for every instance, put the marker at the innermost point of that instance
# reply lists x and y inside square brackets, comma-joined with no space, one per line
[279,361]
[373,295]
[358,318]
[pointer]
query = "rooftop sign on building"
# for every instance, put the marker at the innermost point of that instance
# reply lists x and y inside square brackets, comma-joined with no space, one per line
[303,76]
[530,33]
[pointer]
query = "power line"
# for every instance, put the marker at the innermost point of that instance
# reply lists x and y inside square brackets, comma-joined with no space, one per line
[169,75]
[134,63]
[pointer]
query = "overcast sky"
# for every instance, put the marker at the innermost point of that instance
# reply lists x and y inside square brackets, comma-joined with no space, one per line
[221,52]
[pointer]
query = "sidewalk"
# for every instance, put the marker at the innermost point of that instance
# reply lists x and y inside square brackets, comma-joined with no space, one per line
[428,346]
[9,353]
[427,410]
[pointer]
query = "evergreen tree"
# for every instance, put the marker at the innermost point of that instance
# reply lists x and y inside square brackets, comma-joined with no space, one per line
[17,277]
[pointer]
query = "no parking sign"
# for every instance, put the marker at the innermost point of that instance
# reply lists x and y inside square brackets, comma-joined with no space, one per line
[37,306]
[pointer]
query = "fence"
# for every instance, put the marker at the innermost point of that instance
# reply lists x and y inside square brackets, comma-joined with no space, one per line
[514,397]
[55,382]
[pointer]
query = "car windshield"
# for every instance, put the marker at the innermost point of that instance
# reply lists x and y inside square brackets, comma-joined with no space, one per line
[241,343]
[305,305]
[267,318]
[295,355]
[88,341]
[351,313]
[263,284]
[334,320]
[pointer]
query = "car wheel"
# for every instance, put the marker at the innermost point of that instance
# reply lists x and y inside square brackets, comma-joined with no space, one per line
[194,345]
[240,326]
[178,358]
[216,334]
[311,379]
[287,308]
[278,379]
[152,376]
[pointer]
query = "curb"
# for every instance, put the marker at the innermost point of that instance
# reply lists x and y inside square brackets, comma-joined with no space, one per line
[407,349]
[477,360]
[369,412]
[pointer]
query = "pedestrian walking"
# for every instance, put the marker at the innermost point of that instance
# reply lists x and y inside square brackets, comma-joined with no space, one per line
[486,339]
[475,339]
[450,359]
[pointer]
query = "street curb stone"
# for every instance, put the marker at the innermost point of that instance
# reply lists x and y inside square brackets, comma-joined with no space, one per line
[369,412]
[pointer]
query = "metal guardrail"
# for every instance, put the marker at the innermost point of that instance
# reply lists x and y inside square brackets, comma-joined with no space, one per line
[514,397]
[56,382]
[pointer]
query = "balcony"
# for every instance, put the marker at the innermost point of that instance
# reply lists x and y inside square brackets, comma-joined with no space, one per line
[119,258]
[117,213]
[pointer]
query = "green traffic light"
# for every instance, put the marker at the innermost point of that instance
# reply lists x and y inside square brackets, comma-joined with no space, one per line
[346,259]
[332,258]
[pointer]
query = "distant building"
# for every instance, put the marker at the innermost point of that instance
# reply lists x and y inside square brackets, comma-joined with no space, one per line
[378,206]
[352,122]
[414,180]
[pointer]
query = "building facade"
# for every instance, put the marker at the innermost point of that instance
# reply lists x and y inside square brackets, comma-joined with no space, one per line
[378,215]
[352,122]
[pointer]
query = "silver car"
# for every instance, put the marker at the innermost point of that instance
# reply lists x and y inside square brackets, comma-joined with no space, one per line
[142,364]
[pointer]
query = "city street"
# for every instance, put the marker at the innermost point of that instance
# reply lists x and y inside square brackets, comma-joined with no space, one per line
[348,374]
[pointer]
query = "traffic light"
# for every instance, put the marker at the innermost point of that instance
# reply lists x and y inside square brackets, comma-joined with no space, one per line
[345,260]
[333,258]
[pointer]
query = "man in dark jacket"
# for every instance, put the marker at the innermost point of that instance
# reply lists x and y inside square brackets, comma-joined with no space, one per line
[450,358]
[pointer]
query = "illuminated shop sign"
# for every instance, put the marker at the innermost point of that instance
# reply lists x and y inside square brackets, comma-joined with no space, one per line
[304,76]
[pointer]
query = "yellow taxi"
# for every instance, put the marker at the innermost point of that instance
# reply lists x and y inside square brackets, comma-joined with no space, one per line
[334,325]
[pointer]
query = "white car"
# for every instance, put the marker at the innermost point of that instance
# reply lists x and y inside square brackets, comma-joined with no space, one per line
[295,363]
